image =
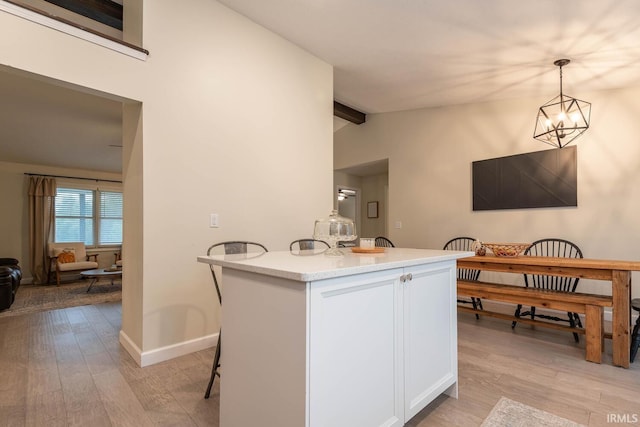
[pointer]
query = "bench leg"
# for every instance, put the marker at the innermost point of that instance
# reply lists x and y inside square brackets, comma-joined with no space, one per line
[572,323]
[593,332]
[517,314]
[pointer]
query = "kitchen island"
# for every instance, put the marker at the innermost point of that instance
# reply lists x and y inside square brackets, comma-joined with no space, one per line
[359,340]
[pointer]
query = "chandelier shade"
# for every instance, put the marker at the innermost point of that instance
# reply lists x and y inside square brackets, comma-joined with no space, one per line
[562,119]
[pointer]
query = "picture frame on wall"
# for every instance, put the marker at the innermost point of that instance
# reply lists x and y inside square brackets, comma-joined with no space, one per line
[372,210]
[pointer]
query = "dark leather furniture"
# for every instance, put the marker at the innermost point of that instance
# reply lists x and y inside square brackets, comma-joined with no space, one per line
[10,276]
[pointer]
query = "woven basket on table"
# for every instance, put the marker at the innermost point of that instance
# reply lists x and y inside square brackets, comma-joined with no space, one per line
[507,249]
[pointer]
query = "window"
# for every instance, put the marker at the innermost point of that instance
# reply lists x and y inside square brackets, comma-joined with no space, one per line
[74,216]
[110,224]
[91,216]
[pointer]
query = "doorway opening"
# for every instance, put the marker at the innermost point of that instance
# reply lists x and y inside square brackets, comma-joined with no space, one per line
[55,128]
[349,207]
[370,181]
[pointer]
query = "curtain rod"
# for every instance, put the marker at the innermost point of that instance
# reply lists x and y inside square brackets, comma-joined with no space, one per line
[72,177]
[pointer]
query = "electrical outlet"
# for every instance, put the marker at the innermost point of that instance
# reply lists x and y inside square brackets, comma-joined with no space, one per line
[398,224]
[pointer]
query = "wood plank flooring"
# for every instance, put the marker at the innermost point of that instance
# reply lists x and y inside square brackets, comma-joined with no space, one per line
[66,368]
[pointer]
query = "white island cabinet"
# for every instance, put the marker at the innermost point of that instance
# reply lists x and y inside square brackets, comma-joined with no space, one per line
[360,340]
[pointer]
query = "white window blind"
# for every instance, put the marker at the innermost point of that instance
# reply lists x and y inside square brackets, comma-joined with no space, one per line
[86,215]
[110,218]
[74,216]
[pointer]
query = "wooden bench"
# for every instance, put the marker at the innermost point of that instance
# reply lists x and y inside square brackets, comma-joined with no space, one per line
[573,302]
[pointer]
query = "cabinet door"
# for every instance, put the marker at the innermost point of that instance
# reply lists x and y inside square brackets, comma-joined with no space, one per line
[430,334]
[355,368]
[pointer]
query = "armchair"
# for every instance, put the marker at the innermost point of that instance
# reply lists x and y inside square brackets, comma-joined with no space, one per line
[118,259]
[70,257]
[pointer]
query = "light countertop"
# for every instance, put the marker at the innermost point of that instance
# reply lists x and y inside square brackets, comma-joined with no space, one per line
[306,266]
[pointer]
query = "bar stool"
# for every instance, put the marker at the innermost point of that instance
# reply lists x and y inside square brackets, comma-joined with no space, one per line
[235,247]
[635,338]
[307,244]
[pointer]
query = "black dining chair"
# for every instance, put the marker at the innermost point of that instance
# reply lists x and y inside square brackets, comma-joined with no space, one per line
[227,248]
[383,242]
[552,247]
[465,244]
[307,244]
[635,336]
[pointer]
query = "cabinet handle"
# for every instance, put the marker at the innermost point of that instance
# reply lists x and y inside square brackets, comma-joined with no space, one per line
[406,277]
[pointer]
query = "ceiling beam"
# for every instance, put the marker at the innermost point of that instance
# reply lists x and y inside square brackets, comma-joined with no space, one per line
[348,113]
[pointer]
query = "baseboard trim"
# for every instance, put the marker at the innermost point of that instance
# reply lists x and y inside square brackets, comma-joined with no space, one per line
[133,350]
[169,352]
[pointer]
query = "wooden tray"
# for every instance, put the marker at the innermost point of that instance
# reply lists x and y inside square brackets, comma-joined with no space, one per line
[360,250]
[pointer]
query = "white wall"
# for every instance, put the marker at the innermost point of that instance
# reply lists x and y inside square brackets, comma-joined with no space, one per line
[234,120]
[430,153]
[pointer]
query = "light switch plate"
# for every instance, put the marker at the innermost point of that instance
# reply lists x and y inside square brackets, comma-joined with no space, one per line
[214,221]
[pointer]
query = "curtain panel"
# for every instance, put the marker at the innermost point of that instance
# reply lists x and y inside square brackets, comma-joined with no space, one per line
[42,193]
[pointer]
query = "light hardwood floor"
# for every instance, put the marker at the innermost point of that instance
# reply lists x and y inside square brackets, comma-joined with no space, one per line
[65,367]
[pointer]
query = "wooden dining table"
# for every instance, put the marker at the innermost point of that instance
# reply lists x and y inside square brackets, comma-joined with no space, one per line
[615,271]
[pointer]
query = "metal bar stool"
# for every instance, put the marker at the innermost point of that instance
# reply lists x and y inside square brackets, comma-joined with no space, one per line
[230,248]
[307,244]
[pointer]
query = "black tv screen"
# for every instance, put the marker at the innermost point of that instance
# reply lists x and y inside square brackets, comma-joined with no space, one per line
[533,180]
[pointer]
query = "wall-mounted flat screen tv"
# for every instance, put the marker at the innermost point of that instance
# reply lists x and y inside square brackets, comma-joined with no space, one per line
[532,180]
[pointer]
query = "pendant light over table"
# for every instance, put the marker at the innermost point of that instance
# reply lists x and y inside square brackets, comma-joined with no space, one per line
[562,119]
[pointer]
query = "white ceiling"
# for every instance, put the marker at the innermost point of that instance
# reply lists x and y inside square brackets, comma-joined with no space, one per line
[44,123]
[367,169]
[392,55]
[388,55]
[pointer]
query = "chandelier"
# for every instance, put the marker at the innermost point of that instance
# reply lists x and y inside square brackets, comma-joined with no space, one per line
[562,119]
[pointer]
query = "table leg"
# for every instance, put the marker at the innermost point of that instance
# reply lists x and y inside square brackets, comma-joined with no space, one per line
[621,321]
[593,327]
[93,280]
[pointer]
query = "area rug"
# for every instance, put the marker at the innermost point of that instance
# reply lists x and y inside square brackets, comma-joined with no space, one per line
[509,413]
[35,298]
